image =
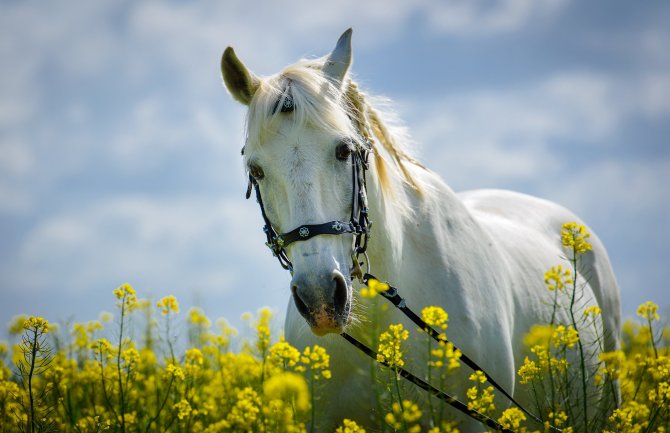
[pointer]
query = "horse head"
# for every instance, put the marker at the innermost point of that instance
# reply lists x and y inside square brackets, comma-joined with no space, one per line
[300,152]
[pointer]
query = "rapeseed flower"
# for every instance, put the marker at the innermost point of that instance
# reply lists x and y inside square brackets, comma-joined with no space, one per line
[435,317]
[648,310]
[482,403]
[528,371]
[284,355]
[317,361]
[593,310]
[349,426]
[167,304]
[290,387]
[130,356]
[245,411]
[127,296]
[174,371]
[445,354]
[574,236]
[373,288]
[557,278]
[183,409]
[390,346]
[565,336]
[36,324]
[478,376]
[512,418]
[404,416]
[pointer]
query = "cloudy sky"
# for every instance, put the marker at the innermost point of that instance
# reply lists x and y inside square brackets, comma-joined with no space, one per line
[119,147]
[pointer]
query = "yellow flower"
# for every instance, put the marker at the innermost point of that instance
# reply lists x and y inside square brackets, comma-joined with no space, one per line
[130,356]
[16,325]
[263,331]
[435,316]
[102,347]
[478,376]
[574,236]
[198,318]
[539,335]
[349,426]
[593,310]
[407,414]
[481,403]
[648,311]
[126,294]
[318,361]
[289,387]
[36,324]
[512,418]
[563,336]
[174,371]
[557,278]
[167,304]
[529,371]
[183,409]
[283,354]
[390,346]
[445,351]
[194,356]
[374,287]
[244,413]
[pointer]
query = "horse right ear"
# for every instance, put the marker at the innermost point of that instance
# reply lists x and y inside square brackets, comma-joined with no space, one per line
[241,83]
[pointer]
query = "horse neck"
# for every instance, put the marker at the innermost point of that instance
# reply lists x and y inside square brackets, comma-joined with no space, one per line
[414,224]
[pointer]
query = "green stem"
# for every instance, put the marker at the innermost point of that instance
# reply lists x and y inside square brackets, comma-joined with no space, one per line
[582,364]
[313,408]
[430,399]
[118,366]
[33,352]
[651,337]
[397,388]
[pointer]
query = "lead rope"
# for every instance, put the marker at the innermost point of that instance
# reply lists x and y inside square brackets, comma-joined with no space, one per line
[452,401]
[392,295]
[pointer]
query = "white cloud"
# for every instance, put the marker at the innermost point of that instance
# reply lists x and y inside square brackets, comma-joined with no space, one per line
[511,134]
[477,18]
[177,243]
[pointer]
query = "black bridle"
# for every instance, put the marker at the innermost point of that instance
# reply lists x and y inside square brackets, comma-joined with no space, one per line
[358,224]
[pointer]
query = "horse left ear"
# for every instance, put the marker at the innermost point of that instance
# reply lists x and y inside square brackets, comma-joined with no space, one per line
[338,62]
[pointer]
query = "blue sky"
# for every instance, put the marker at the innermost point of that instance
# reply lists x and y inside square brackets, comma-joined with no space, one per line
[119,147]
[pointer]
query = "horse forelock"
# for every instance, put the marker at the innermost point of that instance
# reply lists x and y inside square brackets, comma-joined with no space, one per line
[319,104]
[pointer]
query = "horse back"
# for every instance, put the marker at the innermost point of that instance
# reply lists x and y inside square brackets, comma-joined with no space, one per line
[527,230]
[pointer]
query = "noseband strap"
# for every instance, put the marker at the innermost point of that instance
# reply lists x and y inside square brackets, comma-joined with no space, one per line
[358,225]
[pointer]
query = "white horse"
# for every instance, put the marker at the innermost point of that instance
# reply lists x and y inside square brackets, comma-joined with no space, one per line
[479,254]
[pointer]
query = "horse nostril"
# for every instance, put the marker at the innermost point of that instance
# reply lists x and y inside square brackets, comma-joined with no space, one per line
[340,296]
[299,303]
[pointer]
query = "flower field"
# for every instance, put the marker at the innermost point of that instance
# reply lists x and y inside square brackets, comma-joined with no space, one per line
[129,372]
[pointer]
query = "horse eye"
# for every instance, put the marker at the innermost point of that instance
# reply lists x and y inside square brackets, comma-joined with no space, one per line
[343,151]
[255,171]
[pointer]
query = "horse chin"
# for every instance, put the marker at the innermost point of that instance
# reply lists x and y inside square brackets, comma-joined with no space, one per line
[320,332]
[324,322]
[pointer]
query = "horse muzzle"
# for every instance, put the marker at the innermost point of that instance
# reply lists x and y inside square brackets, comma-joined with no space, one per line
[324,301]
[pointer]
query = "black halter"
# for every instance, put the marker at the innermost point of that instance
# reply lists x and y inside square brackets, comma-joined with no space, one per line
[358,224]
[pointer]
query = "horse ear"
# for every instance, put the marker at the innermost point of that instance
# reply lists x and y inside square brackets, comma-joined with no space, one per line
[241,83]
[338,62]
